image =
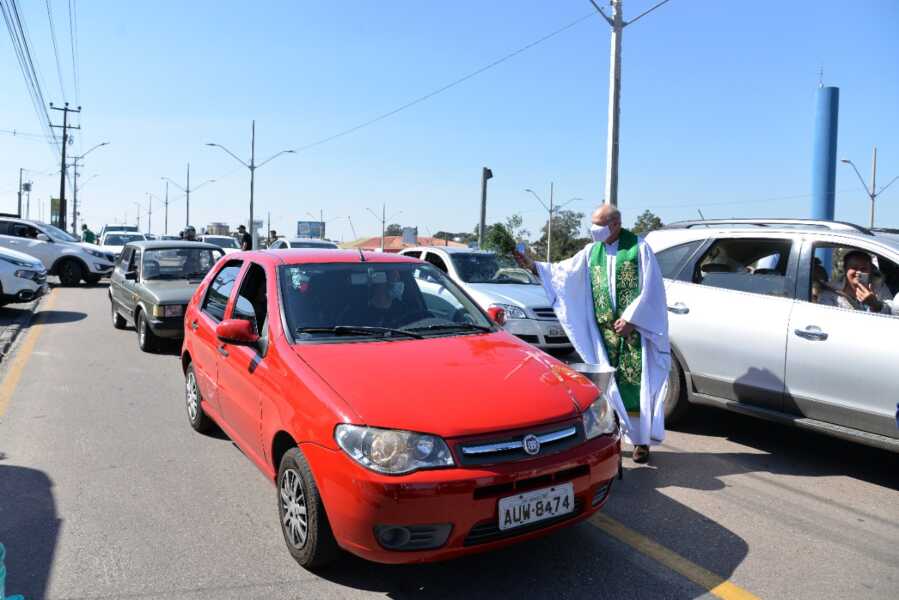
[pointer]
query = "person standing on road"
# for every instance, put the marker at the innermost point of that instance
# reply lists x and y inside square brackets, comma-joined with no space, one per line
[610,299]
[190,234]
[87,236]
[244,238]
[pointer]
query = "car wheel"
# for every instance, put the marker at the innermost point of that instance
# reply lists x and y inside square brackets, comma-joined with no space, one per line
[146,339]
[92,279]
[302,515]
[118,321]
[196,416]
[676,404]
[70,272]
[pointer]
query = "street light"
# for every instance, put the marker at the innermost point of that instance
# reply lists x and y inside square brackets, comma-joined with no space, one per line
[137,204]
[75,160]
[383,219]
[187,191]
[252,166]
[872,193]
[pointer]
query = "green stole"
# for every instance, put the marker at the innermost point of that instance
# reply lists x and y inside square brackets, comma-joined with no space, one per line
[624,353]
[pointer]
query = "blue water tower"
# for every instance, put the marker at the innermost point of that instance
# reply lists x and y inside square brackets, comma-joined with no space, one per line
[824,153]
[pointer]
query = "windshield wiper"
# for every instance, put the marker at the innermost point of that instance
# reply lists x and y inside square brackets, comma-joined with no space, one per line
[359,330]
[437,326]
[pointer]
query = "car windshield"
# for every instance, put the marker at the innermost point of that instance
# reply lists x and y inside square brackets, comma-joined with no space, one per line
[489,268]
[120,239]
[313,245]
[222,242]
[58,234]
[375,300]
[178,263]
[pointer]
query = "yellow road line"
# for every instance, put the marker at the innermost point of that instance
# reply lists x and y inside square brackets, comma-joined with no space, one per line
[22,354]
[714,584]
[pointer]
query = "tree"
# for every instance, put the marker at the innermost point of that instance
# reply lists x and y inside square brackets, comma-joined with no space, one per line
[567,240]
[394,229]
[514,225]
[462,238]
[498,238]
[647,222]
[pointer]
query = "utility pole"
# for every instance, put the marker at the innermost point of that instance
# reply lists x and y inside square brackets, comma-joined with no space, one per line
[617,24]
[75,196]
[549,225]
[62,176]
[166,203]
[382,219]
[485,175]
[187,204]
[150,213]
[19,213]
[873,193]
[137,204]
[268,231]
[27,189]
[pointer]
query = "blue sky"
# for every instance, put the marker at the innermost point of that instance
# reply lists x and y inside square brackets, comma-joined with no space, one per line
[717,107]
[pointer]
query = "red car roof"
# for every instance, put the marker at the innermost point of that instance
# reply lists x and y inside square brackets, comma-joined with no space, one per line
[298,256]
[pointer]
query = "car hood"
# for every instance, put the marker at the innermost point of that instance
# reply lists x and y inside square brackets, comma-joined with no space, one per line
[450,386]
[15,254]
[175,291]
[518,294]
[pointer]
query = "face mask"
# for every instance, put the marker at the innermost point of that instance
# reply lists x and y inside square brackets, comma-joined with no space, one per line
[600,234]
[396,290]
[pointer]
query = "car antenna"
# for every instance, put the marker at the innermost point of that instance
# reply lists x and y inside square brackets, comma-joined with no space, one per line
[361,256]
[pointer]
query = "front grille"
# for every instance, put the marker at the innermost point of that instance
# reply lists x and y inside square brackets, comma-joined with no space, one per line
[545,313]
[554,339]
[489,531]
[530,339]
[510,447]
[601,492]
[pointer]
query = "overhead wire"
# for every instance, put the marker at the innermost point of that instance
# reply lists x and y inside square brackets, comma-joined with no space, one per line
[62,86]
[446,87]
[73,42]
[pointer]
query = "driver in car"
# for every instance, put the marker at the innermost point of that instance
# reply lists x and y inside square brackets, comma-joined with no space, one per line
[385,306]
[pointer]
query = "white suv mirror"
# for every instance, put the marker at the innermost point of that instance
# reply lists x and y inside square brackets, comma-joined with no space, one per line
[43,237]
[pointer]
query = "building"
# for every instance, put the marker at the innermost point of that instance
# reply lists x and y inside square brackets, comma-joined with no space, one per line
[395,243]
[218,229]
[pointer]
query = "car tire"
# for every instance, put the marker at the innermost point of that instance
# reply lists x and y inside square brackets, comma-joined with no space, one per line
[196,416]
[676,404]
[146,339]
[92,279]
[297,497]
[70,272]
[118,321]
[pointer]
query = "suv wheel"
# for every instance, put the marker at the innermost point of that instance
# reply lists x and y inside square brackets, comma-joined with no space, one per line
[118,321]
[70,272]
[146,339]
[302,515]
[676,404]
[197,418]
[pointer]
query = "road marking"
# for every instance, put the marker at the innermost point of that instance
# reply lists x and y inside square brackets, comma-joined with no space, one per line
[714,584]
[22,354]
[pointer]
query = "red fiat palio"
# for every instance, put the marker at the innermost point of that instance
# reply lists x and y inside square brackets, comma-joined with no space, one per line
[397,420]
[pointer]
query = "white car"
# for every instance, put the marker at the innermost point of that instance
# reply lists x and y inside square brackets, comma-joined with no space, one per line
[22,277]
[492,281]
[225,242]
[282,243]
[60,253]
[114,240]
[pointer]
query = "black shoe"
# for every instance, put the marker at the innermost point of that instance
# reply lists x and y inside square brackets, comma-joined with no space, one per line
[641,454]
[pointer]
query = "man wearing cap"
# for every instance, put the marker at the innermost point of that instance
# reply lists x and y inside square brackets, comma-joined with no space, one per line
[244,238]
[610,299]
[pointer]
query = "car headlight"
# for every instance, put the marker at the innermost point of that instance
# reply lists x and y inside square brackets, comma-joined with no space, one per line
[599,418]
[168,310]
[98,254]
[17,262]
[512,311]
[23,274]
[392,451]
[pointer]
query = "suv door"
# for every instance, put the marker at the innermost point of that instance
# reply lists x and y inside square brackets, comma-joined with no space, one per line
[23,237]
[728,317]
[841,363]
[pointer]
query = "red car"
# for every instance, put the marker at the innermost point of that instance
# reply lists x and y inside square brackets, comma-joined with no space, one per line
[398,421]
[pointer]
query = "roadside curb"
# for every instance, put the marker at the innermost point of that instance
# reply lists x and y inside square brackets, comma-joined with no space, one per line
[9,331]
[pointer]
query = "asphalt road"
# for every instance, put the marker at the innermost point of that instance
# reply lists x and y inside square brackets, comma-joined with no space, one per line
[106,492]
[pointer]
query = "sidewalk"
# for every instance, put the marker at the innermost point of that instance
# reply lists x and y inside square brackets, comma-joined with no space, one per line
[13,319]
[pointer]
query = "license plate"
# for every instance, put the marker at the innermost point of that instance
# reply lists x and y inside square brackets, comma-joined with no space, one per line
[532,507]
[556,332]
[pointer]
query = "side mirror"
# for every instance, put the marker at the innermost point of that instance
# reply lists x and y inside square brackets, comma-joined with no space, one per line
[131,275]
[497,315]
[43,237]
[236,331]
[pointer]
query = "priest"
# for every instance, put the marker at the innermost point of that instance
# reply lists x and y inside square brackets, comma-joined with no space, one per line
[610,299]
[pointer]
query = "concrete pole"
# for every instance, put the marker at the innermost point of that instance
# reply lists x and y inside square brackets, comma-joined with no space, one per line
[187,191]
[252,183]
[19,213]
[873,184]
[617,22]
[482,225]
[75,197]
[549,226]
[166,230]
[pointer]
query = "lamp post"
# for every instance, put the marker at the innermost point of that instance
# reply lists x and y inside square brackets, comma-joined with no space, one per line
[549,222]
[252,166]
[383,219]
[137,204]
[75,166]
[872,193]
[187,190]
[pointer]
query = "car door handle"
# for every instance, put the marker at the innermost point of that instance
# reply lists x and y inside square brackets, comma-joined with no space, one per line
[678,308]
[811,332]
[222,350]
[194,325]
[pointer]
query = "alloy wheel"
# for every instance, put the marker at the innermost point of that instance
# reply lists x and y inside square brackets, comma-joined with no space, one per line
[142,331]
[193,397]
[293,508]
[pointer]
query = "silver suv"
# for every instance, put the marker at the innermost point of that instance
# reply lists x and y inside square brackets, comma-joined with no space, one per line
[62,254]
[748,333]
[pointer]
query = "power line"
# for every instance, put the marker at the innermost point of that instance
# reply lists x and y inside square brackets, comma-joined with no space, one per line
[448,86]
[73,42]
[62,86]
